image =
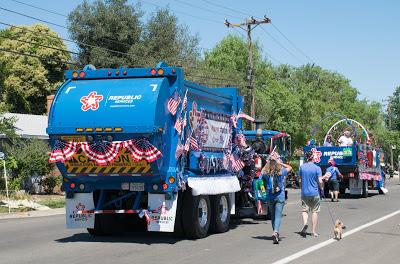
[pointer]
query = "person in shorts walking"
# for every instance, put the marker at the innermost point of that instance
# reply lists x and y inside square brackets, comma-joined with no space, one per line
[333,183]
[310,181]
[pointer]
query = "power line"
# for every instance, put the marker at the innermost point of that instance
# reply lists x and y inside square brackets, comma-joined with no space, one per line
[184,13]
[65,16]
[39,57]
[206,9]
[40,45]
[43,9]
[277,29]
[225,7]
[35,18]
[68,40]
[298,49]
[283,47]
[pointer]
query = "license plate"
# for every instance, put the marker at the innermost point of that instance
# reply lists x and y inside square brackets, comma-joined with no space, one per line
[136,187]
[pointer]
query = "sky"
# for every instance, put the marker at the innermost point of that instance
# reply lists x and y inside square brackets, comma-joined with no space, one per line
[359,39]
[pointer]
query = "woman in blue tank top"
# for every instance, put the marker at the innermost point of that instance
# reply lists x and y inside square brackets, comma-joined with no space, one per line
[274,174]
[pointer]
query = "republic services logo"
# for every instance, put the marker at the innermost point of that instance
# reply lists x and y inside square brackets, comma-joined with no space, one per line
[91,101]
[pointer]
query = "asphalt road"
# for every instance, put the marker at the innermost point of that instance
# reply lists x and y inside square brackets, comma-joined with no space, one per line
[45,239]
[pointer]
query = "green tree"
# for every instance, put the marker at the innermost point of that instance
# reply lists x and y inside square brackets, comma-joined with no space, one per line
[164,39]
[116,25]
[393,111]
[25,80]
[105,24]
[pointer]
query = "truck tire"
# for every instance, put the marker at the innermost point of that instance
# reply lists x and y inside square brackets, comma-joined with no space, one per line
[365,189]
[96,231]
[196,215]
[220,213]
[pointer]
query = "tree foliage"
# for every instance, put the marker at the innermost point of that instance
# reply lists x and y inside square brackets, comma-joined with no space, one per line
[294,99]
[117,26]
[27,158]
[25,81]
[393,110]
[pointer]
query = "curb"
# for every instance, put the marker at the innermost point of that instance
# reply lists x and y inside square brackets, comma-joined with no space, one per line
[32,214]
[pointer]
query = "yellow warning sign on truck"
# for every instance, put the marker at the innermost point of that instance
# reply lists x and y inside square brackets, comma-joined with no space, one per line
[123,164]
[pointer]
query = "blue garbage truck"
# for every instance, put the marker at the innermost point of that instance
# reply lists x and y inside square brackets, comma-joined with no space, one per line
[145,147]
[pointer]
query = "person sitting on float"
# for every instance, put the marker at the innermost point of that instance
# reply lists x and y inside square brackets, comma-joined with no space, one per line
[345,140]
[328,142]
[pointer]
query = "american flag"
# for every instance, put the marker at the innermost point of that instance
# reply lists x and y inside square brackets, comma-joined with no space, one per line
[193,143]
[102,152]
[275,155]
[184,121]
[63,151]
[142,149]
[245,116]
[186,147]
[179,150]
[178,125]
[237,163]
[173,103]
[185,102]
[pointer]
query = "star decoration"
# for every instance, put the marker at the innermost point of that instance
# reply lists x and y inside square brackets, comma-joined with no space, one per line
[317,155]
[91,101]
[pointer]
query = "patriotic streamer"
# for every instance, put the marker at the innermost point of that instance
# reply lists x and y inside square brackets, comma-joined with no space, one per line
[173,103]
[102,152]
[145,213]
[63,151]
[245,116]
[142,149]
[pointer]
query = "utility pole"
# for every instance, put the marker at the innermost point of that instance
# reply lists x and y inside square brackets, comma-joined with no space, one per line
[248,26]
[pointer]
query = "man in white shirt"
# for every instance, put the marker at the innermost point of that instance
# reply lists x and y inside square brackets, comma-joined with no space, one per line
[345,140]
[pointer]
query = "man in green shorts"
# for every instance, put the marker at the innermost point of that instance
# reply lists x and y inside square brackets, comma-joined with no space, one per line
[311,180]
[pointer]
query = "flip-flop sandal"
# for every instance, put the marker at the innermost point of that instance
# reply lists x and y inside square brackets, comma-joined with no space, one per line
[315,235]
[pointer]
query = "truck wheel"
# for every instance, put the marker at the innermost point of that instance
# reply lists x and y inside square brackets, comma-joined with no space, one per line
[96,231]
[220,213]
[196,215]
[365,189]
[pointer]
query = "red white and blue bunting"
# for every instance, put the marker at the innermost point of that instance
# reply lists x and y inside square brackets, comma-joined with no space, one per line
[104,152]
[63,151]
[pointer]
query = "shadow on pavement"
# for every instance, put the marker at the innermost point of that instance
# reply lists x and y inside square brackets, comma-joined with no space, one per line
[267,237]
[147,238]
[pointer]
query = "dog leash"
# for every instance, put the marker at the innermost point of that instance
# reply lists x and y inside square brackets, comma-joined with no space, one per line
[330,213]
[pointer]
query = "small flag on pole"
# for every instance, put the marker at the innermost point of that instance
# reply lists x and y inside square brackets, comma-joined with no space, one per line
[185,102]
[186,147]
[178,125]
[237,164]
[173,103]
[193,143]
[179,150]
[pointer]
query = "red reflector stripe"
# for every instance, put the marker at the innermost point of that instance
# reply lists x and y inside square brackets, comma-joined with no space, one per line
[112,211]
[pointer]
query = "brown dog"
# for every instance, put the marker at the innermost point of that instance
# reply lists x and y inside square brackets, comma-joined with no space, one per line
[338,229]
